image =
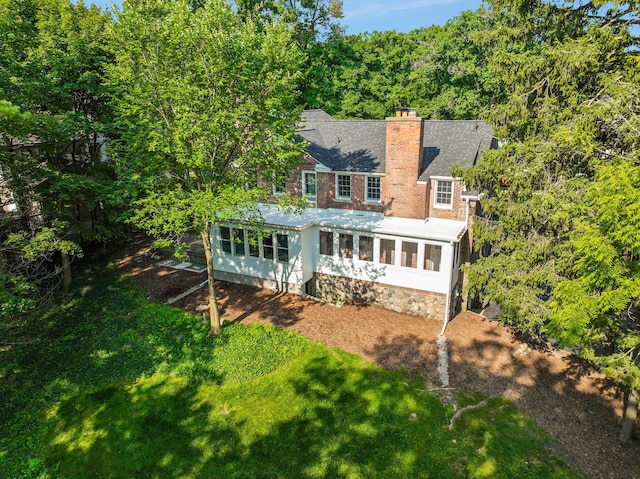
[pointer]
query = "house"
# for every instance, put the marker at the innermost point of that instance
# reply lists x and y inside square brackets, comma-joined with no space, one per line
[386,222]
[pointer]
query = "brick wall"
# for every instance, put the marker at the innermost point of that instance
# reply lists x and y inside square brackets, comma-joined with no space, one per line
[401,194]
[326,184]
[294,181]
[457,212]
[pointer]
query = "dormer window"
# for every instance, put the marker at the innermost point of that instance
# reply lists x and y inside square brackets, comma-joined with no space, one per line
[444,194]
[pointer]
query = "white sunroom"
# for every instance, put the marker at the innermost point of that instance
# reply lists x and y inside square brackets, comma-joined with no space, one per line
[304,252]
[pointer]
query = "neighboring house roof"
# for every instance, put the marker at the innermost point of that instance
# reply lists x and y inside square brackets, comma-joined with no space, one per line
[452,142]
[360,145]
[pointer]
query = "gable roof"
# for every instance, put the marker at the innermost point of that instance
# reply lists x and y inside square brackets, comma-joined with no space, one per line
[359,146]
[452,142]
[345,145]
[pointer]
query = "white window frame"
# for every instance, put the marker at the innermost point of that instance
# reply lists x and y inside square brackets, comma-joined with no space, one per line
[368,198]
[278,190]
[441,205]
[338,196]
[304,183]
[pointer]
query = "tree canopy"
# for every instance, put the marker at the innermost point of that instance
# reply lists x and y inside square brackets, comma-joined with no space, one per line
[205,104]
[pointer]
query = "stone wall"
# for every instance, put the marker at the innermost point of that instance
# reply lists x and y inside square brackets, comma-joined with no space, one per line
[338,289]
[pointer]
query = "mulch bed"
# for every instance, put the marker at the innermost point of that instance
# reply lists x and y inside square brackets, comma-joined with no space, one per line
[575,404]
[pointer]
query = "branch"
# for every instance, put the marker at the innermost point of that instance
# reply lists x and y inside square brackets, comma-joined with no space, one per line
[459,412]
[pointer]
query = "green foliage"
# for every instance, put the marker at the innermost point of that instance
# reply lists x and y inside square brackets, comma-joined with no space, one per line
[206,111]
[558,235]
[53,53]
[120,386]
[442,71]
[15,295]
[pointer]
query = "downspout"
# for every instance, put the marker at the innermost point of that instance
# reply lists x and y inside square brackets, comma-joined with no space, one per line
[447,305]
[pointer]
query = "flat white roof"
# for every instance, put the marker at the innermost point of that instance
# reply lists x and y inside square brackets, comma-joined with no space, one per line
[432,228]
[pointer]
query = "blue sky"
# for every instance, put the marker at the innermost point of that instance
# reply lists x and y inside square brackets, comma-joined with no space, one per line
[399,15]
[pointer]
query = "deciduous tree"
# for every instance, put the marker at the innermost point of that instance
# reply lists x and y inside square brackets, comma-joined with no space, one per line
[206,114]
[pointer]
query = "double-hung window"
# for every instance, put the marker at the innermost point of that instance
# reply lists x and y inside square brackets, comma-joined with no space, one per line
[225,239]
[343,187]
[282,242]
[444,194]
[374,189]
[309,184]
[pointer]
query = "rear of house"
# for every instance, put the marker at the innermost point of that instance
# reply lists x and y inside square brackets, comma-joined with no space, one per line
[386,222]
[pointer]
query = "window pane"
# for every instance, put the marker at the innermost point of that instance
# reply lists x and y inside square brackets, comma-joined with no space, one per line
[283,247]
[365,247]
[432,256]
[310,184]
[409,255]
[326,243]
[346,245]
[267,246]
[387,251]
[238,240]
[444,191]
[344,186]
[279,186]
[253,238]
[225,239]
[373,188]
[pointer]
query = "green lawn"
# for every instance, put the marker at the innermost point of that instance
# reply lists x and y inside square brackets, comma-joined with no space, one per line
[115,386]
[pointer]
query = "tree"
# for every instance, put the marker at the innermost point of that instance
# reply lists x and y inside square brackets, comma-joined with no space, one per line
[51,67]
[311,20]
[54,181]
[206,114]
[558,237]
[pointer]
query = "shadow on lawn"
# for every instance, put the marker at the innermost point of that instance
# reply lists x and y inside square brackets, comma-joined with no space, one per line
[564,396]
[161,428]
[353,421]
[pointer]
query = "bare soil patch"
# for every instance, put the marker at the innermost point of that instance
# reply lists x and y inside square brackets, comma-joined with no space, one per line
[575,404]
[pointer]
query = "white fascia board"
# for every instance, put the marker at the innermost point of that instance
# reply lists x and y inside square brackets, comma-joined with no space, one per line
[375,223]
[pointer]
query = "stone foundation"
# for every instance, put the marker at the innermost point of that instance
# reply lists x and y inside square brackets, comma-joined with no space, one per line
[338,289]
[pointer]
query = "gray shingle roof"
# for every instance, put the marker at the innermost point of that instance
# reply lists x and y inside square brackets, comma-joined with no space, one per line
[359,145]
[448,143]
[346,145]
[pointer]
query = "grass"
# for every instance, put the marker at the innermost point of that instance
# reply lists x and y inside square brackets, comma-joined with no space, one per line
[116,386]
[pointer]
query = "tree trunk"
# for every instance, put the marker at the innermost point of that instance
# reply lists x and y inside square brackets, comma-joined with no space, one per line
[632,397]
[214,312]
[66,271]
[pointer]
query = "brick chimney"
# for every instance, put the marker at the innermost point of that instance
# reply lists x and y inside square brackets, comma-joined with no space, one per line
[401,194]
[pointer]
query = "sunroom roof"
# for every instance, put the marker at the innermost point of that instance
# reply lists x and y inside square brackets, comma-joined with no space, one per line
[433,228]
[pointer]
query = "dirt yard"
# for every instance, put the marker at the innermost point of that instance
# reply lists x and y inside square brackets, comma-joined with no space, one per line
[575,404]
